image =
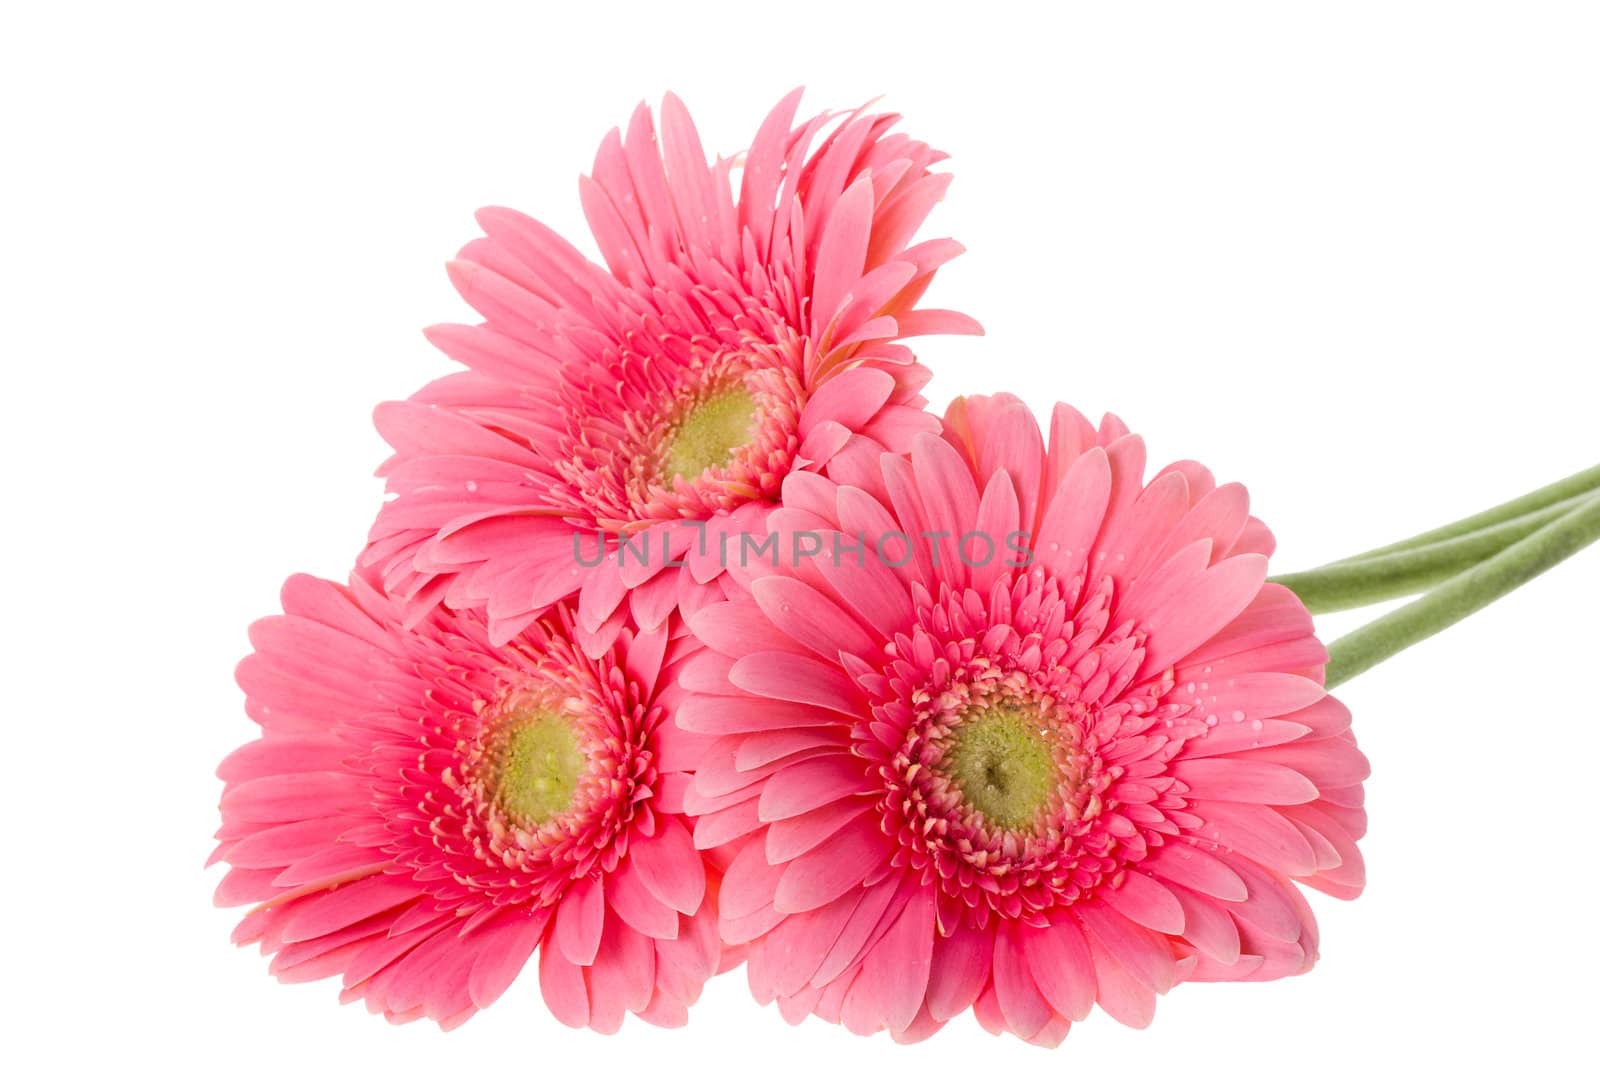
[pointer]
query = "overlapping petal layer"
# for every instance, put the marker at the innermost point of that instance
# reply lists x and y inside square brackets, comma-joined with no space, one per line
[425,809]
[1028,734]
[734,338]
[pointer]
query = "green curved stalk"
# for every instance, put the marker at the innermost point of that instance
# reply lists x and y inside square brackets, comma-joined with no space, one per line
[1574,486]
[1464,594]
[1352,583]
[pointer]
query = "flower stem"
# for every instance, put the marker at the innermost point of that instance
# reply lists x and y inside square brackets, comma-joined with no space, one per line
[1352,583]
[1464,594]
[1578,484]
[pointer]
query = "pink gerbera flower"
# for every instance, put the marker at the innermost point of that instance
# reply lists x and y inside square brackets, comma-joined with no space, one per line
[424,809]
[733,340]
[1027,734]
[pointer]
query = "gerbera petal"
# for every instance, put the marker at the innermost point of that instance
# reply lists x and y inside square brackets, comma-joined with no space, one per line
[809,785]
[851,399]
[1180,863]
[1243,780]
[961,968]
[894,977]
[809,618]
[1145,901]
[789,838]
[669,867]
[795,679]
[1024,1007]
[1062,966]
[842,253]
[1257,832]
[827,872]
[1072,515]
[1144,954]
[579,920]
[348,904]
[502,951]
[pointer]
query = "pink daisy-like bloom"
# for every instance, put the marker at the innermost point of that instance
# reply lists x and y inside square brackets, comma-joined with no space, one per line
[424,809]
[732,340]
[1020,783]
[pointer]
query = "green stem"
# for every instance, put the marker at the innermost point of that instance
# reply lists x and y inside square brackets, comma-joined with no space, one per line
[1464,594]
[1579,483]
[1352,583]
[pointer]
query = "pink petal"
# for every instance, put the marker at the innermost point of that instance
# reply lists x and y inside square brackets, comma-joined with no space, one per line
[638,906]
[843,862]
[789,838]
[719,715]
[670,867]
[1256,832]
[579,920]
[1073,515]
[1024,1007]
[797,679]
[1330,763]
[1062,966]
[720,828]
[812,784]
[842,252]
[798,945]
[897,968]
[749,883]
[876,903]
[1182,615]
[1243,780]
[502,951]
[348,904]
[1146,955]
[735,628]
[1146,902]
[1127,999]
[1208,927]
[1181,863]
[961,968]
[809,618]
[851,399]
[764,749]
[562,984]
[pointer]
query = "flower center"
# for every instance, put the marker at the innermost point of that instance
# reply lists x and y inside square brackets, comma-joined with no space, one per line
[1004,764]
[532,766]
[710,434]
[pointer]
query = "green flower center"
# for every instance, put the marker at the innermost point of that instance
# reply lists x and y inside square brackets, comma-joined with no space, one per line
[1005,766]
[709,435]
[533,766]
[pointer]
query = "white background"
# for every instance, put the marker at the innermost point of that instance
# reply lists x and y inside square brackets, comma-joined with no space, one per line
[1348,253]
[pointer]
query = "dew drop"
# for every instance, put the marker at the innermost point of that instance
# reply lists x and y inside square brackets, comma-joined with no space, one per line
[1238,715]
[1256,725]
[472,485]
